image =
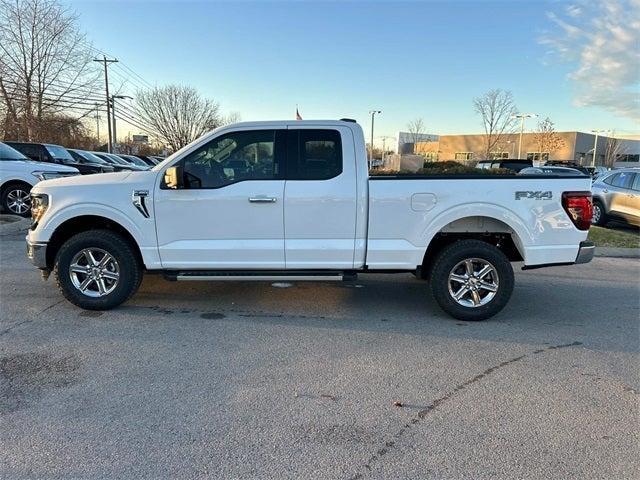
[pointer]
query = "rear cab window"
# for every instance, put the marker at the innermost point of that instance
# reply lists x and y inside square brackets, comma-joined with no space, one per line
[314,154]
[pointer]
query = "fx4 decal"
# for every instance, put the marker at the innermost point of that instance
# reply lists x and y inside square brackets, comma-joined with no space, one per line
[539,195]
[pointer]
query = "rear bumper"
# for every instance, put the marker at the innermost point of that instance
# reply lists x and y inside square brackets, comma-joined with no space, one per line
[37,254]
[586,250]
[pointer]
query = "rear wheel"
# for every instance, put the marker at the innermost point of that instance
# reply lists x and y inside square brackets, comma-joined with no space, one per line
[599,216]
[97,270]
[471,280]
[16,199]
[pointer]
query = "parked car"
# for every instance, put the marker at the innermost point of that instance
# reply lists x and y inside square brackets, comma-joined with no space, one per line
[219,210]
[46,152]
[510,164]
[559,163]
[616,196]
[597,170]
[152,162]
[135,161]
[550,171]
[18,174]
[82,156]
[118,164]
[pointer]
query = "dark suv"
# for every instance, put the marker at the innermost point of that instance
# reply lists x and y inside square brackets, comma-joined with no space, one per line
[46,152]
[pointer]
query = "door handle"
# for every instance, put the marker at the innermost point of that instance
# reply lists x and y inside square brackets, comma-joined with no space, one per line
[262,199]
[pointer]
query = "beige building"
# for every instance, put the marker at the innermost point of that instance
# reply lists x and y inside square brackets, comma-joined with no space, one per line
[573,147]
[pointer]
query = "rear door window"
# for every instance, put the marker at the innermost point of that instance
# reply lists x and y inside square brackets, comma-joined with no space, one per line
[622,180]
[314,154]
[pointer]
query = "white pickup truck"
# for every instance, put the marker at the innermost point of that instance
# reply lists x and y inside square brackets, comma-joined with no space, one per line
[294,200]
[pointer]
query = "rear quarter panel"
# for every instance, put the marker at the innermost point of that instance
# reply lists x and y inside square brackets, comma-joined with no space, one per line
[405,215]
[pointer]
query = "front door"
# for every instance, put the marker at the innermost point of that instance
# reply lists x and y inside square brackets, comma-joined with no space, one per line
[229,212]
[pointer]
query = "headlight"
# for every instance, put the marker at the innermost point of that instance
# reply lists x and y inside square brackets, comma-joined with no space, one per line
[39,205]
[51,175]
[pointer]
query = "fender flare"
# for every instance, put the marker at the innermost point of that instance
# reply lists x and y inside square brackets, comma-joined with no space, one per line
[95,210]
[496,212]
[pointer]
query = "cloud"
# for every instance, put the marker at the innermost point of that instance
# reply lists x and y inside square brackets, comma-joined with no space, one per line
[601,42]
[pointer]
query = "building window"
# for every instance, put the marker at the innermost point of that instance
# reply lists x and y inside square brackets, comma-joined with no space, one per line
[431,157]
[463,156]
[498,155]
[538,156]
[627,157]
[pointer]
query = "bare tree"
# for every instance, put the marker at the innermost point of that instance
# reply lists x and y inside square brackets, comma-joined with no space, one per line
[613,149]
[232,117]
[177,114]
[546,138]
[45,67]
[416,130]
[496,107]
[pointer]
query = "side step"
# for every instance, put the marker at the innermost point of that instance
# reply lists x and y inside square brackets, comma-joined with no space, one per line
[261,275]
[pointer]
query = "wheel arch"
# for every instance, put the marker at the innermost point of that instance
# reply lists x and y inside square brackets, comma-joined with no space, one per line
[489,229]
[82,223]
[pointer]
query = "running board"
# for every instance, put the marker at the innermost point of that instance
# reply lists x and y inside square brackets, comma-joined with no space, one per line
[260,276]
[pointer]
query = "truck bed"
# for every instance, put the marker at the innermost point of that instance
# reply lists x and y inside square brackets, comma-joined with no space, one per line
[406,212]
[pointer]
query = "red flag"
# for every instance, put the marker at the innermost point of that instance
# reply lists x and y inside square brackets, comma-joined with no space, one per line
[298,117]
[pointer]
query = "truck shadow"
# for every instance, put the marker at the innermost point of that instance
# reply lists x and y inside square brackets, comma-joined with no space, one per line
[543,307]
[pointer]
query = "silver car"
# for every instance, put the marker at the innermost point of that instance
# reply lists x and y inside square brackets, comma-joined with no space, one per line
[616,196]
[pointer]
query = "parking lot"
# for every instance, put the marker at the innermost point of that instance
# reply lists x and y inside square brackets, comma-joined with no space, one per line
[253,380]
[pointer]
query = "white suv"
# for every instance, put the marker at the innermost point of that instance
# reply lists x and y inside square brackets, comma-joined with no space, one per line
[18,174]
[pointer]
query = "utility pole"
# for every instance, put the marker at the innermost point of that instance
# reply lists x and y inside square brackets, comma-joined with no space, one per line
[373,115]
[595,146]
[113,114]
[106,62]
[98,123]
[522,116]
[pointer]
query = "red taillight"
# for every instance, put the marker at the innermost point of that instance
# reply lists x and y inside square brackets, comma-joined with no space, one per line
[579,207]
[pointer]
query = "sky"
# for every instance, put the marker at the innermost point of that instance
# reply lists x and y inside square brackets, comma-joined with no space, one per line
[411,60]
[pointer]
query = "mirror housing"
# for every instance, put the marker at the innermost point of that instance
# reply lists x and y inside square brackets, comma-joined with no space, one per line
[173,177]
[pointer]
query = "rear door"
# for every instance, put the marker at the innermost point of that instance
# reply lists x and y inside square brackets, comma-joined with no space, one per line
[618,187]
[320,198]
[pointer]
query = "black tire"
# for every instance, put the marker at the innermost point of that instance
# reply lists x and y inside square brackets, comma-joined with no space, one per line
[601,218]
[8,197]
[453,257]
[128,266]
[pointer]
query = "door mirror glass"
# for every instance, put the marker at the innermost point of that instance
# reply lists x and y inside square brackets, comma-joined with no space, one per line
[173,177]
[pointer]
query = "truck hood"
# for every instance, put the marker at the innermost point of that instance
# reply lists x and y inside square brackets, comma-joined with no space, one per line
[101,180]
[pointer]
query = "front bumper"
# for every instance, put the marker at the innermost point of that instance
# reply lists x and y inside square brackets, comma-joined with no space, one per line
[37,254]
[585,252]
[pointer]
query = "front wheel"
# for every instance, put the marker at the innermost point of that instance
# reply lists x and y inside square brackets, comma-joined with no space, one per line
[15,199]
[472,280]
[97,270]
[599,216]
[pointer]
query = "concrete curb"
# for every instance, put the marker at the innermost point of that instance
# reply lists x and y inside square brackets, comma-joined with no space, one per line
[617,252]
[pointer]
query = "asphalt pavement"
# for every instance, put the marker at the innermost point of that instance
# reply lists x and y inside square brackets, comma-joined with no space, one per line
[321,381]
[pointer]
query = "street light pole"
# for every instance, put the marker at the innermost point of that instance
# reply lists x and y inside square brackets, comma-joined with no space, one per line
[373,115]
[106,62]
[595,146]
[522,116]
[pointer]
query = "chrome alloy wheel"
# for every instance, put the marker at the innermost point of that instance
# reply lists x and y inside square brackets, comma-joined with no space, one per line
[94,272]
[18,201]
[597,213]
[473,282]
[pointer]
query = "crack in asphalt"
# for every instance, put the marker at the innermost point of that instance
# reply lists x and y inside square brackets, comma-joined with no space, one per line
[15,325]
[392,442]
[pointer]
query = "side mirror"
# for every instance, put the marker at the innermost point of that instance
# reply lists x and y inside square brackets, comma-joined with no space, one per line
[173,177]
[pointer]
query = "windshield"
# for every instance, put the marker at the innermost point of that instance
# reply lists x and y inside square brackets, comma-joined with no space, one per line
[59,153]
[8,153]
[90,157]
[137,161]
